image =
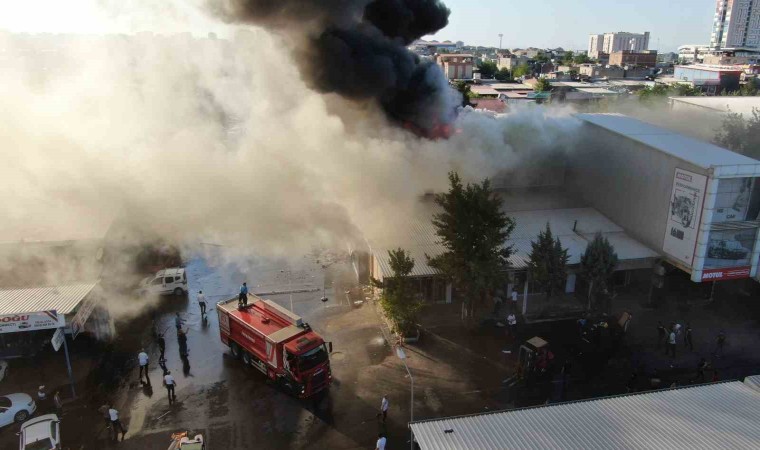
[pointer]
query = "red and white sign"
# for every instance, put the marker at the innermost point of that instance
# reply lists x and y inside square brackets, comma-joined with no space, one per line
[726,274]
[42,320]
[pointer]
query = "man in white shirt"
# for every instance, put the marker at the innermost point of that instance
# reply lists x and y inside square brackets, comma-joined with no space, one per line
[202,302]
[512,324]
[170,385]
[380,442]
[142,358]
[116,425]
[384,407]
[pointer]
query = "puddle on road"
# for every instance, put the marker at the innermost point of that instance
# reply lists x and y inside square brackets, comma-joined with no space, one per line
[377,350]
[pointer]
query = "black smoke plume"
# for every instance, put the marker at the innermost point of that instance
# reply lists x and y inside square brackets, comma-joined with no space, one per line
[357,49]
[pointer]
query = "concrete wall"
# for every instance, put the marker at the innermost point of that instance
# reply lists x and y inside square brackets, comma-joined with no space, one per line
[628,182]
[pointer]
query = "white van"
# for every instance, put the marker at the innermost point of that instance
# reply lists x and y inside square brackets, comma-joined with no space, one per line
[164,282]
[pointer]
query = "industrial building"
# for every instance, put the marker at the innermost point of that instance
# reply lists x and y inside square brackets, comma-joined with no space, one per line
[654,194]
[695,203]
[720,415]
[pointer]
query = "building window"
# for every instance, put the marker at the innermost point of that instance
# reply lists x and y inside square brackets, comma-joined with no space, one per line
[733,200]
[730,248]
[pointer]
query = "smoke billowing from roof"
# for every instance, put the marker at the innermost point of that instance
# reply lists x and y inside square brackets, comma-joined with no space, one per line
[357,49]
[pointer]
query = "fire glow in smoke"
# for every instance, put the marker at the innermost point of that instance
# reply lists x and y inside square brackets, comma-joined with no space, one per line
[357,49]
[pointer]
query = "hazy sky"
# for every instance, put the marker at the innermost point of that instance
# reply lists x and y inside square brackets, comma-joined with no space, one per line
[540,23]
[567,23]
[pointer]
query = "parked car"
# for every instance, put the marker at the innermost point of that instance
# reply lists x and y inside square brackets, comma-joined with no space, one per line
[164,282]
[16,408]
[42,433]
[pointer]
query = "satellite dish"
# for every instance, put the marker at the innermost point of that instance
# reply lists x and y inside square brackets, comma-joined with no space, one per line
[324,299]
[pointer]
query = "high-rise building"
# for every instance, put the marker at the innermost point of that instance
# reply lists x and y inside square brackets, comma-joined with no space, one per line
[736,25]
[617,42]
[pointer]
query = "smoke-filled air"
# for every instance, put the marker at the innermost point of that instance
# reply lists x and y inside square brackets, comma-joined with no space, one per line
[268,137]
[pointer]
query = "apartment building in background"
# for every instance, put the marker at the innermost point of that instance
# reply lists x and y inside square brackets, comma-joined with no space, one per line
[736,25]
[456,66]
[616,42]
[631,58]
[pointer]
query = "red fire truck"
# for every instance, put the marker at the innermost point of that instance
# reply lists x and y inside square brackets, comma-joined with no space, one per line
[277,342]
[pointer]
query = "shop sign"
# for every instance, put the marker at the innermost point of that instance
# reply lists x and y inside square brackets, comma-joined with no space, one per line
[726,274]
[42,320]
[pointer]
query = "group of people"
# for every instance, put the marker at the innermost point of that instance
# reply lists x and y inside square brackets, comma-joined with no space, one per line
[44,403]
[671,335]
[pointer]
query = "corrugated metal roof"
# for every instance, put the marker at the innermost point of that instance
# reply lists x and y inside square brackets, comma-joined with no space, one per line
[422,239]
[699,153]
[421,267]
[741,105]
[716,416]
[63,299]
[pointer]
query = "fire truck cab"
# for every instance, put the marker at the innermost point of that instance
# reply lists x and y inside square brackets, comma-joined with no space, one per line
[278,343]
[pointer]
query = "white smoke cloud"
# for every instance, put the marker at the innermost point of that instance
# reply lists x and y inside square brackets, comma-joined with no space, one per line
[218,141]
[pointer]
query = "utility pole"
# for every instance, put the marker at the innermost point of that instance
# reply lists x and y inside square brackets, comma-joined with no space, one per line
[500,36]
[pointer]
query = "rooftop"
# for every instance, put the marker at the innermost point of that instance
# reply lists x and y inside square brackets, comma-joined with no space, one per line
[575,228]
[722,415]
[64,299]
[741,105]
[711,68]
[489,104]
[702,154]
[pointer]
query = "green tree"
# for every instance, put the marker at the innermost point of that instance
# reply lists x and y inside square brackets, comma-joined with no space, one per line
[548,263]
[464,88]
[503,74]
[581,59]
[741,134]
[397,300]
[598,263]
[568,58]
[473,231]
[521,70]
[487,69]
[542,85]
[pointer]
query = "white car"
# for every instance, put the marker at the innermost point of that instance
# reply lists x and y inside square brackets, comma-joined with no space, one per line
[166,281]
[16,408]
[42,433]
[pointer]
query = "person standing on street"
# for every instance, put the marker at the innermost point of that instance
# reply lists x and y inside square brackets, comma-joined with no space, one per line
[384,407]
[243,296]
[660,334]
[182,341]
[161,348]
[380,445]
[687,338]
[116,425]
[142,359]
[170,384]
[103,410]
[58,404]
[178,321]
[202,302]
[701,367]
[671,348]
[719,343]
[496,305]
[512,325]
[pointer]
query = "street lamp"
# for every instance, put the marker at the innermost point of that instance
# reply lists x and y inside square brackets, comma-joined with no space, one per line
[402,356]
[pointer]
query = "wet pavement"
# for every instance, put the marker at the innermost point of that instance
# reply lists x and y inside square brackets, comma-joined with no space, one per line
[456,370]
